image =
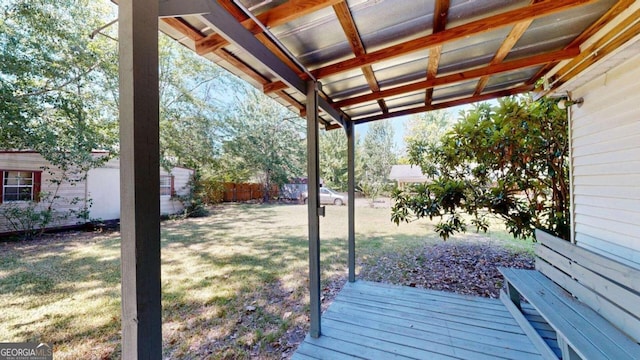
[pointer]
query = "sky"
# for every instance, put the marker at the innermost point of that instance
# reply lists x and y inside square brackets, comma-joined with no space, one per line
[399,127]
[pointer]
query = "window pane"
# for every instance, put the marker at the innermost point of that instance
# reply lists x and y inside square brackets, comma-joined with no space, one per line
[25,190]
[10,181]
[10,197]
[18,186]
[165,185]
[18,178]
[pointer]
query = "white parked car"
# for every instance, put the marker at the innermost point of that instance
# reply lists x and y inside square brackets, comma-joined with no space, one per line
[328,196]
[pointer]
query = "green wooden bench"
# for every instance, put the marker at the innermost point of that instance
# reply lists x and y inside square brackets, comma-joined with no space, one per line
[592,302]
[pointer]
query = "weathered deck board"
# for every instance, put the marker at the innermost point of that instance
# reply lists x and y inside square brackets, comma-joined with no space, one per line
[378,321]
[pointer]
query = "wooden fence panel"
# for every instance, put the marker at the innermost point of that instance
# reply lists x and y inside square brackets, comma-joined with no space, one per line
[229,192]
[239,192]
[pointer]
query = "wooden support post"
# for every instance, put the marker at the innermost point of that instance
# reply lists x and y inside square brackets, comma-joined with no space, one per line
[313,202]
[567,352]
[140,180]
[514,295]
[351,180]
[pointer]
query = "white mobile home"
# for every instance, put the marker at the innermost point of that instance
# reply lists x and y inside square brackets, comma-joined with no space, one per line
[28,177]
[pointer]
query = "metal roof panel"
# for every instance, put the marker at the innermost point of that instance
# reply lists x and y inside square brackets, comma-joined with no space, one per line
[318,40]
[400,21]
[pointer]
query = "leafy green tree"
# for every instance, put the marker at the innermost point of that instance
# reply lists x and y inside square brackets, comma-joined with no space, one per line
[509,160]
[56,95]
[424,130]
[376,156]
[264,139]
[53,79]
[333,159]
[190,120]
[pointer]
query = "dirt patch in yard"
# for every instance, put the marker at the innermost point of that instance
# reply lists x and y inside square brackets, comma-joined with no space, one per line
[469,269]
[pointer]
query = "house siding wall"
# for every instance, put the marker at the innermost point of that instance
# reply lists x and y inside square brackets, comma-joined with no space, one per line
[35,162]
[101,187]
[181,176]
[104,190]
[605,136]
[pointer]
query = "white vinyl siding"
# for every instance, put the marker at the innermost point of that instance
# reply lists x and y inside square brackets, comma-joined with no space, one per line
[605,136]
[31,162]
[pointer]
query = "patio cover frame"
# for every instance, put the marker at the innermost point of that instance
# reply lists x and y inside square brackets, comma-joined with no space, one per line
[282,77]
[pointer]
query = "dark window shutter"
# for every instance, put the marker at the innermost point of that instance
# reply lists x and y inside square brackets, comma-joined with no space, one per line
[37,180]
[173,185]
[1,186]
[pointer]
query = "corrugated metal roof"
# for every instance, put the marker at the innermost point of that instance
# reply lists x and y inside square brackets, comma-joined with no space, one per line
[359,48]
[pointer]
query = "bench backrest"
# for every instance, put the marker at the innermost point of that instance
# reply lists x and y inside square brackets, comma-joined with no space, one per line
[607,286]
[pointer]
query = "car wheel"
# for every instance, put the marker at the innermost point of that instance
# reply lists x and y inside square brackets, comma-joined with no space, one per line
[338,202]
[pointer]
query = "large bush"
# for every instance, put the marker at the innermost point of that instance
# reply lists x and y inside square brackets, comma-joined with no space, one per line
[509,160]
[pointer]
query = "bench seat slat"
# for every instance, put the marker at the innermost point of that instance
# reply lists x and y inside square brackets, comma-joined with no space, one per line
[604,287]
[563,320]
[575,321]
[596,321]
[610,268]
[625,321]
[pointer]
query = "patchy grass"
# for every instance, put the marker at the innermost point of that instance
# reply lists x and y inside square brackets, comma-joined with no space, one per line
[234,283]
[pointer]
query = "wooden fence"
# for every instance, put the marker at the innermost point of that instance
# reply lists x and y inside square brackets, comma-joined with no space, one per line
[238,192]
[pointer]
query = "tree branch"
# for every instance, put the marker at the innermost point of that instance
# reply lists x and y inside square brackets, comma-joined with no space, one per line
[61,86]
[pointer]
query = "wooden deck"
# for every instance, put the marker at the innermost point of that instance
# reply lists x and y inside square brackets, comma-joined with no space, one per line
[377,321]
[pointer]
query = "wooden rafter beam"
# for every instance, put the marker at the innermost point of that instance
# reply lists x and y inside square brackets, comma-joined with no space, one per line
[195,35]
[274,86]
[184,28]
[505,48]
[463,76]
[614,11]
[281,55]
[447,104]
[469,29]
[349,27]
[625,31]
[224,23]
[440,17]
[277,16]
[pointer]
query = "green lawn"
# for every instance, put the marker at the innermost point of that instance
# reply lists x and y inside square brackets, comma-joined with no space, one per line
[234,283]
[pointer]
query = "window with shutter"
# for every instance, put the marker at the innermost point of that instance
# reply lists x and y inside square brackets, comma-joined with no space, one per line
[20,185]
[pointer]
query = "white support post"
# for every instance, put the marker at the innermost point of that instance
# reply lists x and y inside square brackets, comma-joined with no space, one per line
[140,180]
[313,202]
[351,181]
